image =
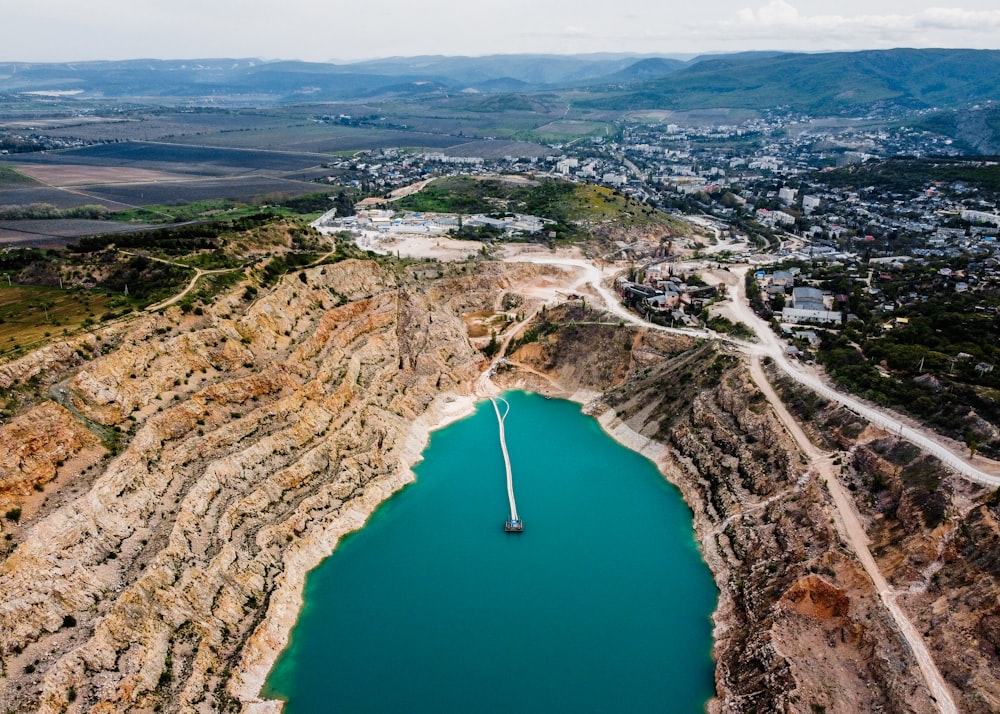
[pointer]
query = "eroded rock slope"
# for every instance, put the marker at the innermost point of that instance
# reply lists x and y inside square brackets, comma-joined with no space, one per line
[798,626]
[239,445]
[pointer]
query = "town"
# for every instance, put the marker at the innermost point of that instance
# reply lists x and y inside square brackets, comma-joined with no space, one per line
[884,270]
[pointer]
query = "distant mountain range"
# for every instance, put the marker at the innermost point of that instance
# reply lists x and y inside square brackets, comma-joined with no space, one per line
[828,83]
[848,83]
[289,81]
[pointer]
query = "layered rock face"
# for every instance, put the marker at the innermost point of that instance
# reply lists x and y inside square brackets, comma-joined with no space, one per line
[36,445]
[249,440]
[936,539]
[193,469]
[798,626]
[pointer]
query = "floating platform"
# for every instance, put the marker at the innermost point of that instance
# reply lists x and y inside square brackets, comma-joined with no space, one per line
[514,526]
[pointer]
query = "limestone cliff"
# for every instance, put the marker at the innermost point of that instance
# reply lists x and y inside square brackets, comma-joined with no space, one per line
[241,444]
[936,539]
[193,469]
[799,626]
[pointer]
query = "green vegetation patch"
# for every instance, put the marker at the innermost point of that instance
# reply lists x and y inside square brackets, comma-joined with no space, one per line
[146,280]
[109,276]
[212,244]
[569,129]
[571,205]
[502,103]
[225,210]
[29,314]
[9,175]
[910,176]
[46,211]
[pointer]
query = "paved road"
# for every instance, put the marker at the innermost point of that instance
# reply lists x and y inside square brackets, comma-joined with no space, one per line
[980,470]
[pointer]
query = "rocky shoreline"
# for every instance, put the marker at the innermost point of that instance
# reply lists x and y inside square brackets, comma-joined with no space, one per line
[265,645]
[216,459]
[239,445]
[798,626]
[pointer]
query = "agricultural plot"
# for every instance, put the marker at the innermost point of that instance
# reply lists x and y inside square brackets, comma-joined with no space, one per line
[249,189]
[9,176]
[182,158]
[318,174]
[58,197]
[158,126]
[328,138]
[498,149]
[569,129]
[77,175]
[52,233]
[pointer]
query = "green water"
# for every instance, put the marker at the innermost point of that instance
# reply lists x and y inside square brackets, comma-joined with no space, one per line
[601,605]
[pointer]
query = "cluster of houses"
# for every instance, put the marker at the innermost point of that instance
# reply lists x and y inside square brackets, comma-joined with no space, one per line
[667,297]
[389,222]
[802,304]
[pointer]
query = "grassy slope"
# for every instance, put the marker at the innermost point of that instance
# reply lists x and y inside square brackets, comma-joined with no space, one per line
[557,200]
[10,175]
[29,314]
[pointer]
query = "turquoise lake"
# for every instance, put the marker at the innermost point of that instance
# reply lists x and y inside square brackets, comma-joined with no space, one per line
[603,604]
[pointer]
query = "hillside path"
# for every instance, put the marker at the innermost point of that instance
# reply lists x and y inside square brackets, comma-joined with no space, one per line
[198,273]
[853,532]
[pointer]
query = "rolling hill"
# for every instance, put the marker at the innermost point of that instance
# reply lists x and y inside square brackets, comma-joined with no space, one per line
[834,83]
[828,83]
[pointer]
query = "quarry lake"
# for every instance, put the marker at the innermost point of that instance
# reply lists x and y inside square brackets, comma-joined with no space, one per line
[602,604]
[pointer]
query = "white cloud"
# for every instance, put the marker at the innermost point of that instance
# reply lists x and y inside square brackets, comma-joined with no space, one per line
[314,29]
[958,19]
[779,14]
[780,25]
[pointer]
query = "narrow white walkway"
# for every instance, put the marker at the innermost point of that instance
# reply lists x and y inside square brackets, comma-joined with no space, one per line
[506,456]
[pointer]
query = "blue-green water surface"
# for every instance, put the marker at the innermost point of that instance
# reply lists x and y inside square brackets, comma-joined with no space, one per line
[603,604]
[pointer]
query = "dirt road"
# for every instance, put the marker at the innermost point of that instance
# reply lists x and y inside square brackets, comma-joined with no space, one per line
[853,533]
[198,273]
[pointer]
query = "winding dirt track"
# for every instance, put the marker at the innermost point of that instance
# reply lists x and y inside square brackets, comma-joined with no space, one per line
[978,469]
[848,520]
[198,273]
[853,532]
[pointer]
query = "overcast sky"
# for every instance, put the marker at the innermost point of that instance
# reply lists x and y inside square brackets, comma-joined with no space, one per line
[321,30]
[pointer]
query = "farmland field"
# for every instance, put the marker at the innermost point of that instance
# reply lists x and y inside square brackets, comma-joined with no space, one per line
[52,233]
[60,198]
[327,139]
[203,160]
[249,189]
[153,126]
[566,129]
[498,149]
[77,175]
[10,176]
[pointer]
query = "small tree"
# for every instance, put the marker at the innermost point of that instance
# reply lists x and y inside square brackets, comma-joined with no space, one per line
[492,347]
[972,441]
